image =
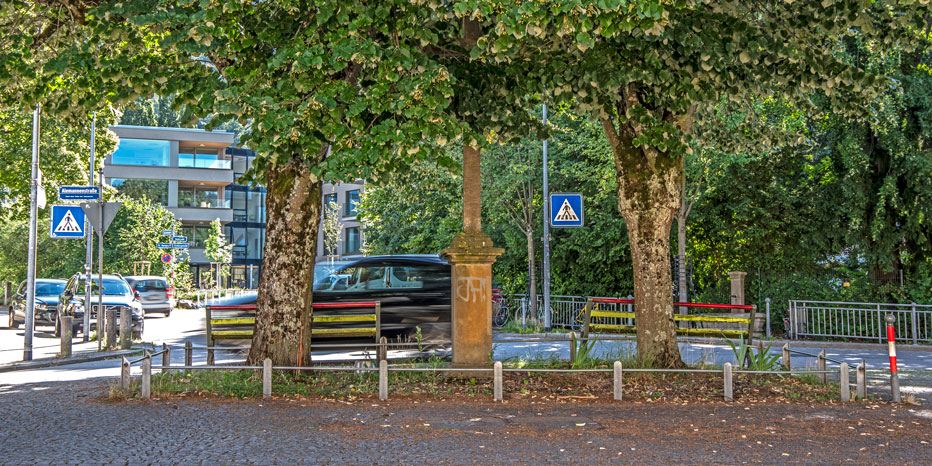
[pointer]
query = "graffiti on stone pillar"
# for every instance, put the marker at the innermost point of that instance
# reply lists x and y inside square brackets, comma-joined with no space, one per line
[470,289]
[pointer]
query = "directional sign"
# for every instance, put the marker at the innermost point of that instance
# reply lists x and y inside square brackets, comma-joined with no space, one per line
[168,232]
[93,211]
[163,245]
[165,258]
[67,222]
[180,239]
[566,210]
[180,245]
[84,193]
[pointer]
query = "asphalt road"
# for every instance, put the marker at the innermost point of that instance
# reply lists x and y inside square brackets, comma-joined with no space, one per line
[71,423]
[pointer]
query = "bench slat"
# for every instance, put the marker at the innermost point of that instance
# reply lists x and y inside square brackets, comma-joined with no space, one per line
[344,332]
[611,314]
[700,318]
[233,321]
[349,318]
[686,331]
[231,334]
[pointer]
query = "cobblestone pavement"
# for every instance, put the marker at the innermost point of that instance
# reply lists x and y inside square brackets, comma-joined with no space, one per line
[72,423]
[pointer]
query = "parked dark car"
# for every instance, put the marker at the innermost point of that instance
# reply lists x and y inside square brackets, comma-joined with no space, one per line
[155,294]
[46,304]
[414,291]
[116,295]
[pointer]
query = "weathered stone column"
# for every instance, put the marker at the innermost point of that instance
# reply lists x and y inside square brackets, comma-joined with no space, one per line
[737,289]
[471,255]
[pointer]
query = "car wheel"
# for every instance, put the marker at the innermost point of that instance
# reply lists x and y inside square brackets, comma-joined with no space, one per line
[57,327]
[168,313]
[74,330]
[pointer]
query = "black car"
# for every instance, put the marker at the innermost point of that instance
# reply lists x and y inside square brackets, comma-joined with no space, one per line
[46,304]
[116,295]
[414,291]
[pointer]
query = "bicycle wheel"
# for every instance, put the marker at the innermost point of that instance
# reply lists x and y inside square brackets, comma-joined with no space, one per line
[499,314]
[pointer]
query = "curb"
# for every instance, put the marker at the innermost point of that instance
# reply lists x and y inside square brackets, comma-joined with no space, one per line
[78,359]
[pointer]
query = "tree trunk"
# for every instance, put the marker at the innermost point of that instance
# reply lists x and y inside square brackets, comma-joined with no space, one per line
[532,275]
[283,312]
[649,194]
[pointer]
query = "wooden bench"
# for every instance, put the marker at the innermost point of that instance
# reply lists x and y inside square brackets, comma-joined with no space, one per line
[239,321]
[590,313]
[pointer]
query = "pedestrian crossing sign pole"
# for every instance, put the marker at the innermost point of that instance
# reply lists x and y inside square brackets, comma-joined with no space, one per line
[67,222]
[566,210]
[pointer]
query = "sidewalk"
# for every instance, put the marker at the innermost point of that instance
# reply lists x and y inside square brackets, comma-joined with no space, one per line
[45,352]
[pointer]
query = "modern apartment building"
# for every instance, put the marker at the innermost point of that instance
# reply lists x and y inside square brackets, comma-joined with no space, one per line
[192,173]
[346,198]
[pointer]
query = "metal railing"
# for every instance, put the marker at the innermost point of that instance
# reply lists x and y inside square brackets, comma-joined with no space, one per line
[821,362]
[202,296]
[497,370]
[836,319]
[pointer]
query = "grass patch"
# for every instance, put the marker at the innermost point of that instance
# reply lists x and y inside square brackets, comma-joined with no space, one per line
[353,385]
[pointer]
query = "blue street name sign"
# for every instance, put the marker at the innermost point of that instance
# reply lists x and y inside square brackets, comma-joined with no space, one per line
[84,193]
[67,222]
[180,245]
[566,210]
[180,239]
[168,232]
[164,245]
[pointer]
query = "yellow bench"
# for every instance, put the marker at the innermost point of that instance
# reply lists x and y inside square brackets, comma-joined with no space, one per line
[240,327]
[590,313]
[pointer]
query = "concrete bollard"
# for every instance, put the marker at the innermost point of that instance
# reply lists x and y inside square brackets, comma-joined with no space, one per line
[617,381]
[110,328]
[821,366]
[147,376]
[126,329]
[861,380]
[383,349]
[786,357]
[267,378]
[124,374]
[383,380]
[573,347]
[188,354]
[729,383]
[166,358]
[64,324]
[844,382]
[497,380]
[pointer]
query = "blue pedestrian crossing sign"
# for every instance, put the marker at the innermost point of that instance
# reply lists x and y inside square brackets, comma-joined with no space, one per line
[566,210]
[67,222]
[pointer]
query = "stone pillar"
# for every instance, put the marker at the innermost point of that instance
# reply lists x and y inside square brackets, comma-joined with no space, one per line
[471,256]
[737,289]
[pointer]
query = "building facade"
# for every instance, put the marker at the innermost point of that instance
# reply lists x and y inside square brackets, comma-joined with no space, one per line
[192,173]
[351,239]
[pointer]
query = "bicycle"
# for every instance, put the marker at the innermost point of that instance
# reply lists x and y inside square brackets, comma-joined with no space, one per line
[500,310]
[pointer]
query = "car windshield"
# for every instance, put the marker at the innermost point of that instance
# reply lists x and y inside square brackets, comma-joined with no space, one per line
[49,289]
[112,286]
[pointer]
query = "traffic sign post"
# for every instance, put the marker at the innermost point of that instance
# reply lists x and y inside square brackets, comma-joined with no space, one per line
[67,222]
[566,210]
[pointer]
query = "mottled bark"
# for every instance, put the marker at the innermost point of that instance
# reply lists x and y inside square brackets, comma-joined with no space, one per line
[283,315]
[649,194]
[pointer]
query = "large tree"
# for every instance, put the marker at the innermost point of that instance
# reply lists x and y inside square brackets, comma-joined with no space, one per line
[648,69]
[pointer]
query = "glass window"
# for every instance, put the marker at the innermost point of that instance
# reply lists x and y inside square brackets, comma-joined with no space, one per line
[49,289]
[255,210]
[239,205]
[201,232]
[185,196]
[188,232]
[254,240]
[153,190]
[142,152]
[113,287]
[207,197]
[351,245]
[352,201]
[199,157]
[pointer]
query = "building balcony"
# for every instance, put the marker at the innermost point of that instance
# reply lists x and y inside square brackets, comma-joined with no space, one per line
[198,214]
[207,175]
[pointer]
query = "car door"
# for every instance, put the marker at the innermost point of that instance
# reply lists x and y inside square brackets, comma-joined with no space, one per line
[18,306]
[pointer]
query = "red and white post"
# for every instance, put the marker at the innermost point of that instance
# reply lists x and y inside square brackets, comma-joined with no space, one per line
[891,344]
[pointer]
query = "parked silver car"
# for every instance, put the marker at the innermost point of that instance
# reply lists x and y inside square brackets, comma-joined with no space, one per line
[155,294]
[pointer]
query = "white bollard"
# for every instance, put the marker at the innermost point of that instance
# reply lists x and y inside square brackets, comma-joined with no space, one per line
[267,378]
[845,382]
[861,379]
[147,377]
[617,381]
[124,374]
[729,383]
[383,380]
[497,380]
